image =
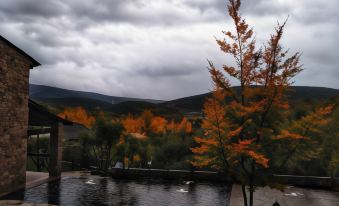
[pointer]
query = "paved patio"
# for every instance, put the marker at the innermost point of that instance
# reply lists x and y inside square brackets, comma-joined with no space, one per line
[34,179]
[20,203]
[292,196]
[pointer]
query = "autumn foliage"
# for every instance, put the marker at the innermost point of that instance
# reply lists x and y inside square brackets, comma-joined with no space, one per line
[244,131]
[148,123]
[132,125]
[184,126]
[78,115]
[299,140]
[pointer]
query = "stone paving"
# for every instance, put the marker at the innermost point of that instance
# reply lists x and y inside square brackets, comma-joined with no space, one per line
[19,203]
[76,174]
[35,178]
[292,196]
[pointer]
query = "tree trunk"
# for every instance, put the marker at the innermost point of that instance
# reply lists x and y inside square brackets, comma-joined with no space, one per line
[108,158]
[252,177]
[243,187]
[251,194]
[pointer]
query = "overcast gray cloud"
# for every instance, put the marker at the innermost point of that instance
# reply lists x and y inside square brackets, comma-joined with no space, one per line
[158,48]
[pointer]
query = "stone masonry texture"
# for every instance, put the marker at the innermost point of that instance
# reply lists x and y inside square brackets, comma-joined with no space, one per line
[14,86]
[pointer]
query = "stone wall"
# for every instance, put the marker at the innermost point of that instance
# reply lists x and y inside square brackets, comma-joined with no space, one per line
[14,86]
[136,173]
[307,181]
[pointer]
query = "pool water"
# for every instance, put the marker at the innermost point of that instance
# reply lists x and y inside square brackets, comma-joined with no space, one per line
[95,190]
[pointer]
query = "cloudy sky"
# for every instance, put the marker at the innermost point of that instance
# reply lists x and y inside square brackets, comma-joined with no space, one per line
[158,48]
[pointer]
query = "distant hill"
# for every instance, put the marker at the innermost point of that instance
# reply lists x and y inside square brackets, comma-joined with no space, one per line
[86,103]
[61,98]
[58,99]
[134,107]
[195,103]
[188,104]
[41,92]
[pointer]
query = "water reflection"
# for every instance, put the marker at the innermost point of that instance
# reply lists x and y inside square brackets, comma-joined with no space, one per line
[53,193]
[107,191]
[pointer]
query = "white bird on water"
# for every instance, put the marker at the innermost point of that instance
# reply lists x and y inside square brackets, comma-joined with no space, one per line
[182,190]
[188,182]
[293,194]
[90,182]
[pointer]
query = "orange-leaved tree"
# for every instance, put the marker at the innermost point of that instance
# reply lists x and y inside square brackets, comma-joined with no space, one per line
[132,124]
[300,140]
[183,127]
[78,115]
[158,125]
[145,124]
[244,127]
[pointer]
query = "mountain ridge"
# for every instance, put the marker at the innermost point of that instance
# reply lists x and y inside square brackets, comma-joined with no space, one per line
[196,102]
[39,92]
[61,98]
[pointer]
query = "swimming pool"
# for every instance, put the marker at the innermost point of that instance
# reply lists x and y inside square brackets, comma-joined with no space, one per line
[96,190]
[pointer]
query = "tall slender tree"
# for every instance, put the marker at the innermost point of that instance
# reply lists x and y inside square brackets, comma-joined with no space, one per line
[245,129]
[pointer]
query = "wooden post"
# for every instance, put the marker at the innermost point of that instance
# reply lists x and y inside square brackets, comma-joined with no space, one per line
[55,155]
[38,150]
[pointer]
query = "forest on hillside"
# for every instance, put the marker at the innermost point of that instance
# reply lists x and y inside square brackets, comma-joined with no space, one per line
[167,141]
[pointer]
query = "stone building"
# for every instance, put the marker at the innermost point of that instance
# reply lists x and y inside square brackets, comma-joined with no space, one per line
[20,118]
[15,65]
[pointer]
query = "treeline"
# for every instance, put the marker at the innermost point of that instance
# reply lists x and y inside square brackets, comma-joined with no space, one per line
[144,140]
[149,140]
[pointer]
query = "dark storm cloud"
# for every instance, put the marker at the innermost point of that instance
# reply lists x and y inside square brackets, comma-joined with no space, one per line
[253,7]
[87,12]
[21,9]
[158,48]
[167,71]
[144,12]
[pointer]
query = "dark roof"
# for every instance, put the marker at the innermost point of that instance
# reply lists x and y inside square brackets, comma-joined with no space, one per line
[73,132]
[35,62]
[40,116]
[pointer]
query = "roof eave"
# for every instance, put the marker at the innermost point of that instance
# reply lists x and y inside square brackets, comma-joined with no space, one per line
[35,63]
